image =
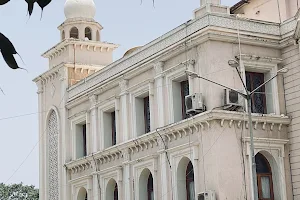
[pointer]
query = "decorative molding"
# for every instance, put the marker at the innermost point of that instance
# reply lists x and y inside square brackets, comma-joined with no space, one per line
[179,130]
[171,38]
[158,67]
[123,85]
[53,178]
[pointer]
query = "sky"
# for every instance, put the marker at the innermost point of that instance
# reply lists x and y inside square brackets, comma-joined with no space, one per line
[127,23]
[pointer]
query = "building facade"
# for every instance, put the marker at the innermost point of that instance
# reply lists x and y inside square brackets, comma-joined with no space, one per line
[125,129]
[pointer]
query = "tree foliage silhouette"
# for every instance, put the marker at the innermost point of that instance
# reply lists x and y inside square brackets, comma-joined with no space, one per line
[6,46]
[18,192]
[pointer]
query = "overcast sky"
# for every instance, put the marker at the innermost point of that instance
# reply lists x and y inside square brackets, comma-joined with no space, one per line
[127,23]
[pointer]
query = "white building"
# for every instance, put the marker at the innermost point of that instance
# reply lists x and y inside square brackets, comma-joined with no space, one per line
[119,130]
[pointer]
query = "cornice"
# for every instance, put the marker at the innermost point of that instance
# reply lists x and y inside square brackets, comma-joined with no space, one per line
[49,75]
[256,58]
[79,21]
[176,35]
[204,121]
[88,44]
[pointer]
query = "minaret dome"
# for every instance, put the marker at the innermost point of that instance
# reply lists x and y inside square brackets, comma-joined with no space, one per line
[80,9]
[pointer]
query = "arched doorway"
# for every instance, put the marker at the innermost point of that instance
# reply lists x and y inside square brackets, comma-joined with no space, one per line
[82,194]
[146,189]
[185,180]
[264,178]
[74,33]
[112,190]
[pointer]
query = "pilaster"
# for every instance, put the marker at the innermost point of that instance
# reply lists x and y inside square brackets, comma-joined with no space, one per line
[42,145]
[128,180]
[124,96]
[159,80]
[93,125]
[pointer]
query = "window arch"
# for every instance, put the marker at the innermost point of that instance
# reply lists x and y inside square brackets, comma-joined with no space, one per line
[185,180]
[264,178]
[88,33]
[74,33]
[63,36]
[82,194]
[97,36]
[146,189]
[112,190]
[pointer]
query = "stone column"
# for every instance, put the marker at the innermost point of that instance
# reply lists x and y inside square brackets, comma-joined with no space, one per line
[159,83]
[95,187]
[88,135]
[164,172]
[196,168]
[118,121]
[120,184]
[125,117]
[128,179]
[151,104]
[94,116]
[42,144]
[191,79]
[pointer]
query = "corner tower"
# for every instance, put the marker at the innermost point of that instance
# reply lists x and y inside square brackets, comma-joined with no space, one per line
[78,54]
[80,48]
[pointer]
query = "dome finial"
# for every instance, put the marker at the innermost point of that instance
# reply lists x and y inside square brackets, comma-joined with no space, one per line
[80,9]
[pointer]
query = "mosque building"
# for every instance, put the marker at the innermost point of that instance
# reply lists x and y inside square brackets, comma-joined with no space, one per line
[145,128]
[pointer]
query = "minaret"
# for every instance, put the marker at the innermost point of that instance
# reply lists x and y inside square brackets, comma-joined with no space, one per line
[215,2]
[80,49]
[78,54]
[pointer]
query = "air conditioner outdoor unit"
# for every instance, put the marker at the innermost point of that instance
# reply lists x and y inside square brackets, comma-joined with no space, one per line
[233,98]
[194,103]
[208,195]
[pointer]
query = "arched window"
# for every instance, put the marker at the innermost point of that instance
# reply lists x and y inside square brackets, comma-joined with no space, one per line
[88,33]
[190,187]
[97,36]
[185,180]
[116,192]
[63,35]
[150,187]
[82,194]
[145,185]
[264,178]
[74,33]
[112,190]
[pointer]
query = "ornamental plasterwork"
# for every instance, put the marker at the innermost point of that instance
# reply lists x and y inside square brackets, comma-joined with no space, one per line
[53,156]
[159,67]
[181,130]
[123,85]
[170,38]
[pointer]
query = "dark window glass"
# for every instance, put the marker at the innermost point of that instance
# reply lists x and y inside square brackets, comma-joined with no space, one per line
[184,92]
[74,33]
[264,178]
[150,187]
[116,192]
[86,198]
[147,114]
[258,99]
[190,187]
[84,139]
[113,128]
[88,33]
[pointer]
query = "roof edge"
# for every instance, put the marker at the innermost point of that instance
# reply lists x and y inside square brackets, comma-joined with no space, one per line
[238,5]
